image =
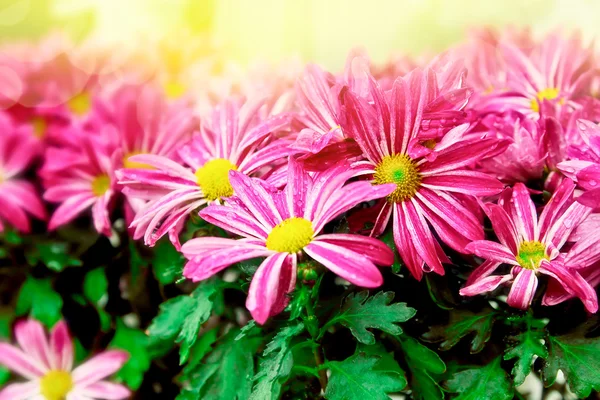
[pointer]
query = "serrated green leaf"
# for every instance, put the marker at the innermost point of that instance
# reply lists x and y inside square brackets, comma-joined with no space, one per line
[41,301]
[247,329]
[276,365]
[203,306]
[423,363]
[167,262]
[578,358]
[488,382]
[227,372]
[529,344]
[360,312]
[386,362]
[135,342]
[171,316]
[95,285]
[200,349]
[463,323]
[356,378]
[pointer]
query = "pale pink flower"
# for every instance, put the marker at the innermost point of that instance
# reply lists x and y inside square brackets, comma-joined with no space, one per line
[533,246]
[284,226]
[18,197]
[236,138]
[47,364]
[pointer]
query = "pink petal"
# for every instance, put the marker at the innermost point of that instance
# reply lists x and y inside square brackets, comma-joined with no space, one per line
[421,236]
[103,390]
[485,269]
[13,214]
[522,290]
[468,182]
[503,227]
[484,285]
[561,198]
[373,249]
[255,198]
[298,185]
[234,220]
[562,227]
[492,251]
[405,245]
[70,209]
[591,198]
[164,164]
[20,391]
[345,263]
[31,336]
[267,295]
[100,214]
[523,211]
[99,367]
[24,194]
[61,347]
[573,282]
[14,359]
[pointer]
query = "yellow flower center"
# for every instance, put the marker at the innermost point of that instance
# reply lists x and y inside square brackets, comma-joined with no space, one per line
[213,178]
[56,384]
[401,170]
[531,254]
[39,125]
[100,185]
[546,94]
[174,89]
[80,104]
[290,236]
[132,164]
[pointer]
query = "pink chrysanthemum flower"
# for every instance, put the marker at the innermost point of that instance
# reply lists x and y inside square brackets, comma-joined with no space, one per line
[429,180]
[284,225]
[534,246]
[18,197]
[48,365]
[86,180]
[557,70]
[584,168]
[236,138]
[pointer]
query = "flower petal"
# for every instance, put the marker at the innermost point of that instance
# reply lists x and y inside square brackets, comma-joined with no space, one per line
[103,390]
[61,347]
[20,391]
[573,282]
[484,285]
[353,267]
[523,212]
[31,336]
[522,290]
[492,251]
[99,367]
[373,249]
[16,360]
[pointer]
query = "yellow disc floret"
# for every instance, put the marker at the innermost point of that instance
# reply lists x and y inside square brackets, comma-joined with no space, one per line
[531,254]
[80,104]
[174,89]
[290,236]
[56,384]
[546,94]
[100,185]
[401,170]
[40,126]
[213,178]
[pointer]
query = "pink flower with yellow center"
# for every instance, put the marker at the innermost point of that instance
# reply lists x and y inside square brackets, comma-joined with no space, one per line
[431,178]
[284,226]
[18,197]
[533,246]
[47,364]
[236,138]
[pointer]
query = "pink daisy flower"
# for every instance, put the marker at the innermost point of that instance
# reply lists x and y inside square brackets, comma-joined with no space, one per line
[18,197]
[284,226]
[236,138]
[430,181]
[557,70]
[533,246]
[47,364]
[584,168]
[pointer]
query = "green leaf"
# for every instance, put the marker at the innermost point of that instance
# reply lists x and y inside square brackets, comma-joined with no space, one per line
[360,312]
[463,323]
[529,344]
[356,378]
[39,299]
[388,238]
[488,382]
[181,318]
[12,237]
[136,343]
[5,320]
[54,255]
[95,285]
[200,349]
[386,362]
[167,262]
[578,358]
[423,363]
[227,372]
[276,365]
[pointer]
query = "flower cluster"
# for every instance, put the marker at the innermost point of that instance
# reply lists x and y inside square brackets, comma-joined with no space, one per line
[318,166]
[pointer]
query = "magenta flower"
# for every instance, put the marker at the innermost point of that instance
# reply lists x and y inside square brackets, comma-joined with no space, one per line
[235,139]
[84,178]
[584,168]
[557,70]
[47,364]
[284,226]
[532,245]
[18,197]
[430,180]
